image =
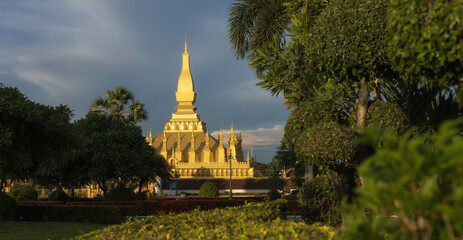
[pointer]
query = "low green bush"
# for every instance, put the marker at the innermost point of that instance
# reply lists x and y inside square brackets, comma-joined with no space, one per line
[208,189]
[58,195]
[252,221]
[23,193]
[318,201]
[7,206]
[121,194]
[273,194]
[413,188]
[94,214]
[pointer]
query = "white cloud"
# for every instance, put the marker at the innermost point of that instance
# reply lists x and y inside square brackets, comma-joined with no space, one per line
[257,138]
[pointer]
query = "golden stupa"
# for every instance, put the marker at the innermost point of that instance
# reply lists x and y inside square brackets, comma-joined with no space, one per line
[186,144]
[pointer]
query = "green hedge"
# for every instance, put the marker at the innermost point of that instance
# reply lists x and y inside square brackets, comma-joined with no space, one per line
[252,221]
[93,214]
[23,193]
[7,206]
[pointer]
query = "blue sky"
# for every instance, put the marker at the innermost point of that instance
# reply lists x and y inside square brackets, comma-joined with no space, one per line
[71,51]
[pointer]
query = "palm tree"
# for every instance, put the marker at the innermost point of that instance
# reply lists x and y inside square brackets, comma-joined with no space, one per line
[120,104]
[255,23]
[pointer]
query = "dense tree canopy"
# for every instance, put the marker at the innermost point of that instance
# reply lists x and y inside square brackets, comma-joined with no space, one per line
[115,151]
[426,41]
[35,140]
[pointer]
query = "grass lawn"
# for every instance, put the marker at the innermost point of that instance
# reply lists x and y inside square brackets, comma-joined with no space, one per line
[13,230]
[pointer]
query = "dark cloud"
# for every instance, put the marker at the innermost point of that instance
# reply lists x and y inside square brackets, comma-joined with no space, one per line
[71,51]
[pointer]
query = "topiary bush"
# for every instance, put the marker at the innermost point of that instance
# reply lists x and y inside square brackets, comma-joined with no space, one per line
[23,193]
[8,206]
[121,194]
[208,189]
[318,201]
[58,195]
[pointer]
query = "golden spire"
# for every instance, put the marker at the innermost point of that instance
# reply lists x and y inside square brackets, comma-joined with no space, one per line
[252,156]
[151,135]
[164,141]
[186,47]
[185,81]
[247,158]
[185,95]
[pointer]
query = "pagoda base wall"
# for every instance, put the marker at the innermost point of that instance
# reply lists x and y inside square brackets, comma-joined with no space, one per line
[238,185]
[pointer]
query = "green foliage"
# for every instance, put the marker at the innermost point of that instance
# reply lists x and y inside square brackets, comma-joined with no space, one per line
[252,221]
[208,189]
[426,41]
[348,40]
[273,194]
[326,142]
[115,150]
[285,157]
[121,194]
[255,23]
[418,180]
[120,104]
[35,140]
[388,114]
[319,202]
[58,195]
[23,193]
[7,206]
[425,107]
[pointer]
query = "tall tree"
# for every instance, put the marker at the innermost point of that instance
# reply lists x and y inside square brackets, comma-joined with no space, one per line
[34,139]
[115,151]
[120,103]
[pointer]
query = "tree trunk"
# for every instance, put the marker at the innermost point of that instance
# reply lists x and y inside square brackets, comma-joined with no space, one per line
[339,187]
[363,96]
[362,104]
[140,186]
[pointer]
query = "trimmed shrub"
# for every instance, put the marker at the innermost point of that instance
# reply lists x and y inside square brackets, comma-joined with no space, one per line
[273,194]
[23,193]
[252,221]
[121,194]
[208,189]
[7,206]
[94,214]
[58,195]
[318,201]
